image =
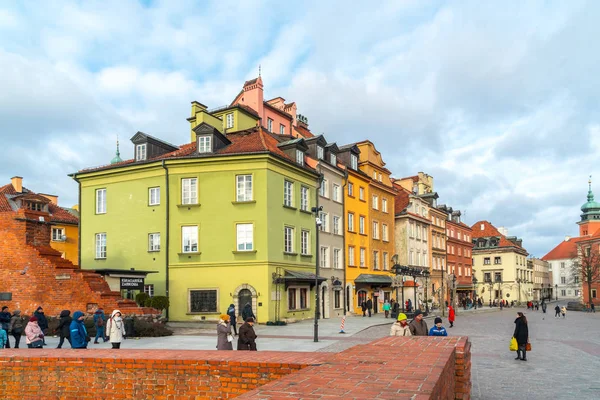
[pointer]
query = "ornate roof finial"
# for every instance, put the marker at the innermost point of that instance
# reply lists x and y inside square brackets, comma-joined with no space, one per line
[117,158]
[259,69]
[590,195]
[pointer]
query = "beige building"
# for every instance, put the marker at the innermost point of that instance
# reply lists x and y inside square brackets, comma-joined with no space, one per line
[500,265]
[542,281]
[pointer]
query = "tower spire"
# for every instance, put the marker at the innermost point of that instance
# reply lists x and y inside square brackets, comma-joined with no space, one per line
[259,68]
[590,195]
[117,158]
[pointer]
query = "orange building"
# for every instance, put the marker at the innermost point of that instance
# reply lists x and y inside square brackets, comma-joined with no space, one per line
[458,254]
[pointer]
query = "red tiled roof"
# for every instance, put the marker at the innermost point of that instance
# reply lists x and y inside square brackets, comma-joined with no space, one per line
[415,178]
[57,214]
[565,250]
[490,230]
[401,199]
[305,132]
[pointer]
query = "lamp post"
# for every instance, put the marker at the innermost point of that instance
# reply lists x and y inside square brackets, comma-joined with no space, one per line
[556,287]
[499,282]
[474,280]
[491,285]
[453,290]
[519,280]
[318,223]
[397,270]
[426,274]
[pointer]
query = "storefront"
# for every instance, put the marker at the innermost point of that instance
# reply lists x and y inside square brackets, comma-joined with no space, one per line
[377,288]
[127,282]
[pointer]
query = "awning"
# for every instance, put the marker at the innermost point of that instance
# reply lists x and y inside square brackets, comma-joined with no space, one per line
[291,277]
[373,279]
[123,272]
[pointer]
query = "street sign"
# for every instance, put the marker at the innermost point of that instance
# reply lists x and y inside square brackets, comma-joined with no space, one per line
[132,283]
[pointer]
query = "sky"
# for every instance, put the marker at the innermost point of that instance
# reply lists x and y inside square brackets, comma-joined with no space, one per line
[498,101]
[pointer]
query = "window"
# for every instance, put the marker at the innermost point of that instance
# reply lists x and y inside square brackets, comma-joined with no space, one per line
[497,260]
[384,205]
[375,230]
[336,225]
[288,240]
[281,129]
[361,193]
[336,192]
[140,152]
[58,234]
[563,279]
[487,277]
[336,299]
[154,242]
[320,154]
[149,290]
[243,187]
[189,191]
[304,242]
[203,301]
[351,189]
[351,255]
[375,202]
[333,159]
[362,257]
[324,188]
[575,279]
[593,293]
[497,277]
[385,261]
[300,157]
[303,299]
[337,259]
[101,201]
[154,196]
[304,202]
[189,239]
[245,237]
[563,293]
[324,257]
[229,120]
[288,191]
[291,299]
[204,144]
[486,261]
[270,124]
[354,162]
[324,217]
[350,222]
[100,245]
[361,225]
[562,265]
[380,178]
[411,258]
[384,228]
[374,175]
[375,260]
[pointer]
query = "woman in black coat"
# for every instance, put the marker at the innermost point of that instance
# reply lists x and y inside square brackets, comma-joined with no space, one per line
[247,336]
[64,327]
[522,336]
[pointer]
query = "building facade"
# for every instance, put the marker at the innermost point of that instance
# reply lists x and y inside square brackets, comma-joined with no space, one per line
[541,279]
[459,249]
[501,266]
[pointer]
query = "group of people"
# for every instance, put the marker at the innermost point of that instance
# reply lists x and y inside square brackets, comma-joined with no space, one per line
[69,328]
[418,326]
[247,336]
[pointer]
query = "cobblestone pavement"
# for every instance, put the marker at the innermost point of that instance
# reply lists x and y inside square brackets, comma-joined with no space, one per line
[563,364]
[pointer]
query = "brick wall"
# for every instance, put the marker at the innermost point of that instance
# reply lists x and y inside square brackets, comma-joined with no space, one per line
[389,368]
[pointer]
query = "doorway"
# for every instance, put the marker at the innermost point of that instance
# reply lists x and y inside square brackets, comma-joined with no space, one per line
[244,297]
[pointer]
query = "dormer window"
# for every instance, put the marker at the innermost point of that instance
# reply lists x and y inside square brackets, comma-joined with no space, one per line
[299,157]
[33,206]
[270,124]
[281,129]
[333,159]
[229,120]
[320,152]
[354,162]
[140,152]
[204,144]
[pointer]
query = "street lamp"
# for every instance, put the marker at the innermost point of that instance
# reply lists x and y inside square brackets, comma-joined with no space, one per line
[474,280]
[318,223]
[397,270]
[426,274]
[519,281]
[491,285]
[453,290]
[556,287]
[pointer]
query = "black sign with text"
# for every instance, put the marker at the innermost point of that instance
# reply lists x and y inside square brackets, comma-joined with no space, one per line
[132,283]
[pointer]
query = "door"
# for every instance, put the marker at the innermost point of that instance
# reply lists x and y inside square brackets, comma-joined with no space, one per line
[244,297]
[323,291]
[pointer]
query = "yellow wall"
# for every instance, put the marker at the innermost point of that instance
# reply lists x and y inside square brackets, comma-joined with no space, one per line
[513,265]
[70,247]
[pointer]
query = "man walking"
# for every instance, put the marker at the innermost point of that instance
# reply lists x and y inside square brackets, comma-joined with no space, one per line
[418,327]
[369,306]
[557,311]
[4,323]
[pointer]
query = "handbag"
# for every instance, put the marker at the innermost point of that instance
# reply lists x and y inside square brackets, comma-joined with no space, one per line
[513,344]
[230,338]
[38,344]
[528,347]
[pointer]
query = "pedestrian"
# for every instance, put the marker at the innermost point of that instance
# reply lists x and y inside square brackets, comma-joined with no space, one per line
[115,329]
[4,324]
[3,339]
[247,312]
[386,308]
[17,327]
[224,336]
[557,311]
[42,321]
[451,316]
[410,305]
[99,323]
[418,327]
[464,303]
[369,306]
[544,306]
[34,336]
[64,327]
[563,311]
[247,336]
[400,327]
[521,334]
[232,318]
[395,309]
[438,329]
[479,302]
[537,306]
[363,307]
[79,335]
[501,306]
[593,307]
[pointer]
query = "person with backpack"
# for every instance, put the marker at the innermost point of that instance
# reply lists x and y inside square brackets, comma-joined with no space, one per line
[4,324]
[17,327]
[232,318]
[99,323]
[64,327]
[79,335]
[42,321]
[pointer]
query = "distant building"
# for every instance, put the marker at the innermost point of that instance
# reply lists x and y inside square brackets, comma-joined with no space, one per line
[541,279]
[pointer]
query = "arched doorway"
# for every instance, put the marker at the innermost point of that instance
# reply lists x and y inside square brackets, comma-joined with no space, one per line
[361,296]
[244,297]
[324,301]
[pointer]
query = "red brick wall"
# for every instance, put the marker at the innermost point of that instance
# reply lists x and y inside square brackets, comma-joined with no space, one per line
[394,367]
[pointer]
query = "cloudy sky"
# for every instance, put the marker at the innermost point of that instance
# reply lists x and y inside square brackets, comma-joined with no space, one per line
[499,101]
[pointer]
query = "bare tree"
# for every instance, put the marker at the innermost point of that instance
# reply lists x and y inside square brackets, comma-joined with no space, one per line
[587,265]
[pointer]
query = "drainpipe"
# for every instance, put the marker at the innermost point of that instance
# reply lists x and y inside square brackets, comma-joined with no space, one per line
[345,183]
[167,235]
[79,224]
[316,210]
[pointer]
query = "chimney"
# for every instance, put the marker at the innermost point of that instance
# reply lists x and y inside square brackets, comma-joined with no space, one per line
[17,182]
[53,198]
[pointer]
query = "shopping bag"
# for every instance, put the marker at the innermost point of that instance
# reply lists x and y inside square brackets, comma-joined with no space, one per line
[528,346]
[513,345]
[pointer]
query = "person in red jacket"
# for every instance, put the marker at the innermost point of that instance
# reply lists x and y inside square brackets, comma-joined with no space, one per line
[451,316]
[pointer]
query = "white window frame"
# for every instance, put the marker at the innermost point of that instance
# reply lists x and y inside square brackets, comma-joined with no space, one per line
[244,188]
[324,257]
[350,222]
[361,225]
[281,129]
[351,250]
[324,188]
[270,124]
[337,261]
[230,120]
[244,233]
[305,242]
[57,234]
[361,193]
[385,261]
[376,260]
[354,162]
[363,257]
[288,193]
[333,159]
[154,196]
[335,195]
[384,231]
[189,239]
[205,144]
[336,225]
[101,246]
[324,217]
[375,202]
[375,232]
[189,191]
[140,152]
[300,157]
[384,205]
[100,201]
[154,241]
[350,189]
[288,239]
[149,290]
[304,198]
[320,152]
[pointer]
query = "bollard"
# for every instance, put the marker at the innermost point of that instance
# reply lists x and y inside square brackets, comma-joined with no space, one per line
[342,325]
